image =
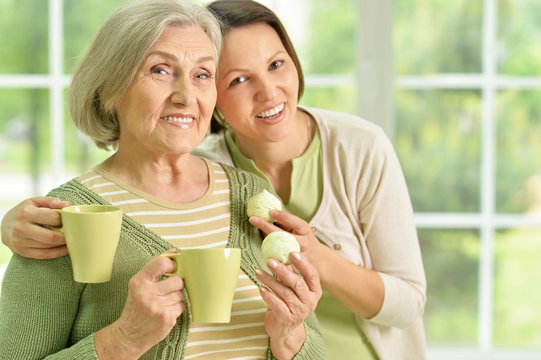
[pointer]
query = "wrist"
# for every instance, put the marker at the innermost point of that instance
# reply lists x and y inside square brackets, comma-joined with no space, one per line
[286,347]
[112,342]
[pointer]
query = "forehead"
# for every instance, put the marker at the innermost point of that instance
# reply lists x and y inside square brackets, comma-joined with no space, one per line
[249,42]
[186,41]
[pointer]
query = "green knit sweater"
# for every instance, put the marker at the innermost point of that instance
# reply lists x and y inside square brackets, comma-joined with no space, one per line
[45,314]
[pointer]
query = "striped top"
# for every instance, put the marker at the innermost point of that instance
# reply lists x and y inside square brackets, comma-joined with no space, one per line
[201,223]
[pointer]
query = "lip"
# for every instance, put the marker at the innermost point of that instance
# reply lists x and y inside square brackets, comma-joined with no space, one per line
[183,121]
[275,118]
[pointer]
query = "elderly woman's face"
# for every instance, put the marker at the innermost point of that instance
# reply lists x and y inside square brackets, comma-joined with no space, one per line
[168,106]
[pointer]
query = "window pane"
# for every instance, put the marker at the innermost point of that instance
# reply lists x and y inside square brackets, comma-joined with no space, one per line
[451,260]
[519,32]
[438,143]
[24,37]
[340,99]
[24,148]
[516,292]
[24,125]
[518,152]
[81,21]
[437,36]
[331,33]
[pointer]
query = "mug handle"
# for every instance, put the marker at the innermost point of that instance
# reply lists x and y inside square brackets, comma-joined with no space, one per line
[175,259]
[56,228]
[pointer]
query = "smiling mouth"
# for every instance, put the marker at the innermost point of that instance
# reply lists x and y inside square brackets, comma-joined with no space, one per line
[178,120]
[272,113]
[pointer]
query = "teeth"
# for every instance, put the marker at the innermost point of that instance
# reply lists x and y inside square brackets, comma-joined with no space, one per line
[271,112]
[179,120]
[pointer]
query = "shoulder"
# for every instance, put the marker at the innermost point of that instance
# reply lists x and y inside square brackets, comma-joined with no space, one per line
[76,193]
[349,133]
[213,147]
[70,188]
[346,126]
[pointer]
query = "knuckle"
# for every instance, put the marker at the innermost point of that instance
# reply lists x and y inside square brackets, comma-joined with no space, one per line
[50,237]
[24,213]
[17,231]
[289,295]
[134,283]
[299,284]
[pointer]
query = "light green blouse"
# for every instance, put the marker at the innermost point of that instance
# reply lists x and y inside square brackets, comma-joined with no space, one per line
[343,337]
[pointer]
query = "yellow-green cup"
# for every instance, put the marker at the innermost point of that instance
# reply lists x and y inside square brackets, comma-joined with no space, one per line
[210,277]
[92,233]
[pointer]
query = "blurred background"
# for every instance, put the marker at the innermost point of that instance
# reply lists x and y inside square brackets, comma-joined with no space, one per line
[455,84]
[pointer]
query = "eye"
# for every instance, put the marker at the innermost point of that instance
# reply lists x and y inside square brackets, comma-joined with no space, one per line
[158,70]
[204,75]
[238,80]
[276,64]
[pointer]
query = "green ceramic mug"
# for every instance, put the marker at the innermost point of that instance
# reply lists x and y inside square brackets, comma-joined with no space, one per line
[210,276]
[92,233]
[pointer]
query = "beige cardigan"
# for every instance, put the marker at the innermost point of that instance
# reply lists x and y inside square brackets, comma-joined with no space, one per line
[366,210]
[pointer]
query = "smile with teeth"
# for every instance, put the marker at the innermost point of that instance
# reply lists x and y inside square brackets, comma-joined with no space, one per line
[272,112]
[173,119]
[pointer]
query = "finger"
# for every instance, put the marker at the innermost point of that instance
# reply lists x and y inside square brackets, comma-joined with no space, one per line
[31,214]
[290,222]
[45,216]
[158,266]
[171,285]
[49,202]
[286,286]
[263,225]
[37,236]
[274,303]
[308,272]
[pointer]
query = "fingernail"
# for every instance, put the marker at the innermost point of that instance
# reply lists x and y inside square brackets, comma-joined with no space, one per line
[274,213]
[272,263]
[296,256]
[254,220]
[262,289]
[259,272]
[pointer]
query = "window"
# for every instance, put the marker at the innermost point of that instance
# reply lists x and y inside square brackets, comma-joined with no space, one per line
[456,86]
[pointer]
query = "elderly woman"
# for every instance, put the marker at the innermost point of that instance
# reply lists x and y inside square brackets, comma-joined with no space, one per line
[146,88]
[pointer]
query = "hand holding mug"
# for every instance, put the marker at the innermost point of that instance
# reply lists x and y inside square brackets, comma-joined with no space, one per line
[22,231]
[151,310]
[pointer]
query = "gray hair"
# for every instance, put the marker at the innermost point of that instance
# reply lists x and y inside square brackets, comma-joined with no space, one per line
[117,52]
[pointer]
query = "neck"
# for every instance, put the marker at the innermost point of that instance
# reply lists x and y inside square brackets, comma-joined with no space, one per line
[275,159]
[171,178]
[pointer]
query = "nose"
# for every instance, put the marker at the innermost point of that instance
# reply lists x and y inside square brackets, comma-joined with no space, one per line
[182,91]
[266,89]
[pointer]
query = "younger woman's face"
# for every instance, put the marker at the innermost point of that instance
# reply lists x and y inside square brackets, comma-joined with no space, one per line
[257,84]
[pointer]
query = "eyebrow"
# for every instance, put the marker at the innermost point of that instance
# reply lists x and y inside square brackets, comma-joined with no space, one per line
[242,70]
[175,59]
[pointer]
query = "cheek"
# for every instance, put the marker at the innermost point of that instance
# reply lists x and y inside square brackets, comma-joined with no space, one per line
[208,100]
[229,104]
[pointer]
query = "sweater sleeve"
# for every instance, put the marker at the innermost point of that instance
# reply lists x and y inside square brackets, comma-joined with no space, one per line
[244,185]
[388,224]
[38,306]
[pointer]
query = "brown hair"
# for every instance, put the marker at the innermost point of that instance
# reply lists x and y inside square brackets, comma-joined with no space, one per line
[236,13]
